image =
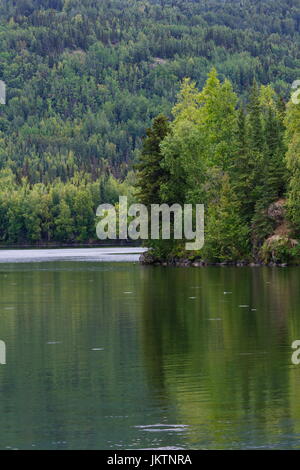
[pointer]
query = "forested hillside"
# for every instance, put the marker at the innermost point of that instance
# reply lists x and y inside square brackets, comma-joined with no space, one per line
[85,78]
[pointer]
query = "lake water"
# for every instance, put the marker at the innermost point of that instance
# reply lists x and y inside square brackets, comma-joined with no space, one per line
[111,355]
[109,254]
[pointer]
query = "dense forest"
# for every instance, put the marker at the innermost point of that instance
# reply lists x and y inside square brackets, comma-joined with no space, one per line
[241,162]
[86,78]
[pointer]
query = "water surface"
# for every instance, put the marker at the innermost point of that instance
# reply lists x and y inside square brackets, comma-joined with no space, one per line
[121,356]
[109,254]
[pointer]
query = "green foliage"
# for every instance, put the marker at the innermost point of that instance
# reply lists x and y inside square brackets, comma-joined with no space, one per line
[230,159]
[201,137]
[227,235]
[280,250]
[259,170]
[85,78]
[55,212]
[293,163]
[150,173]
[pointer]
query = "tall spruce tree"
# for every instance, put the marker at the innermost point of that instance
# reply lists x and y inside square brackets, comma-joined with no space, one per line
[292,122]
[150,173]
[242,169]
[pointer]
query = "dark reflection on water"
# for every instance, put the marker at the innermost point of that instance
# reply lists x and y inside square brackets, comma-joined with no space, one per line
[119,356]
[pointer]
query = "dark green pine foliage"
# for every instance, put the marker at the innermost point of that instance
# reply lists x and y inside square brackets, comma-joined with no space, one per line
[242,169]
[270,167]
[150,174]
[85,78]
[256,142]
[256,134]
[275,153]
[258,172]
[261,225]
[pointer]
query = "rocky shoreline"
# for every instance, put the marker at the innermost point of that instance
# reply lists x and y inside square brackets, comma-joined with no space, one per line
[279,248]
[147,259]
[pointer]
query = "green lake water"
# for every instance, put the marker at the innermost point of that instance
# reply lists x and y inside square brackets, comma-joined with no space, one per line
[121,356]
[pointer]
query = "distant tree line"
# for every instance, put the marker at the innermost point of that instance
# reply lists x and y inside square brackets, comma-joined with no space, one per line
[57,212]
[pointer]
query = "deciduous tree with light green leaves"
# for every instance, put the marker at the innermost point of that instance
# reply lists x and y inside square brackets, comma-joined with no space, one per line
[202,136]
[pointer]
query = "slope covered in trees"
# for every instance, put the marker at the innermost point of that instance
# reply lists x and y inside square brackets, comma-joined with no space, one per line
[85,78]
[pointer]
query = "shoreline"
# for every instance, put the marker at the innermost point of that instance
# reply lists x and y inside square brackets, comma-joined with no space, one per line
[144,257]
[147,259]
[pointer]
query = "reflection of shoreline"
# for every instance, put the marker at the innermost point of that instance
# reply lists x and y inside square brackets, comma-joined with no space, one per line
[148,259]
[219,375]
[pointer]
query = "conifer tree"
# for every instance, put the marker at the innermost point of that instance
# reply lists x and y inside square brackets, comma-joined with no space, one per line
[269,157]
[256,135]
[226,232]
[150,173]
[242,169]
[292,122]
